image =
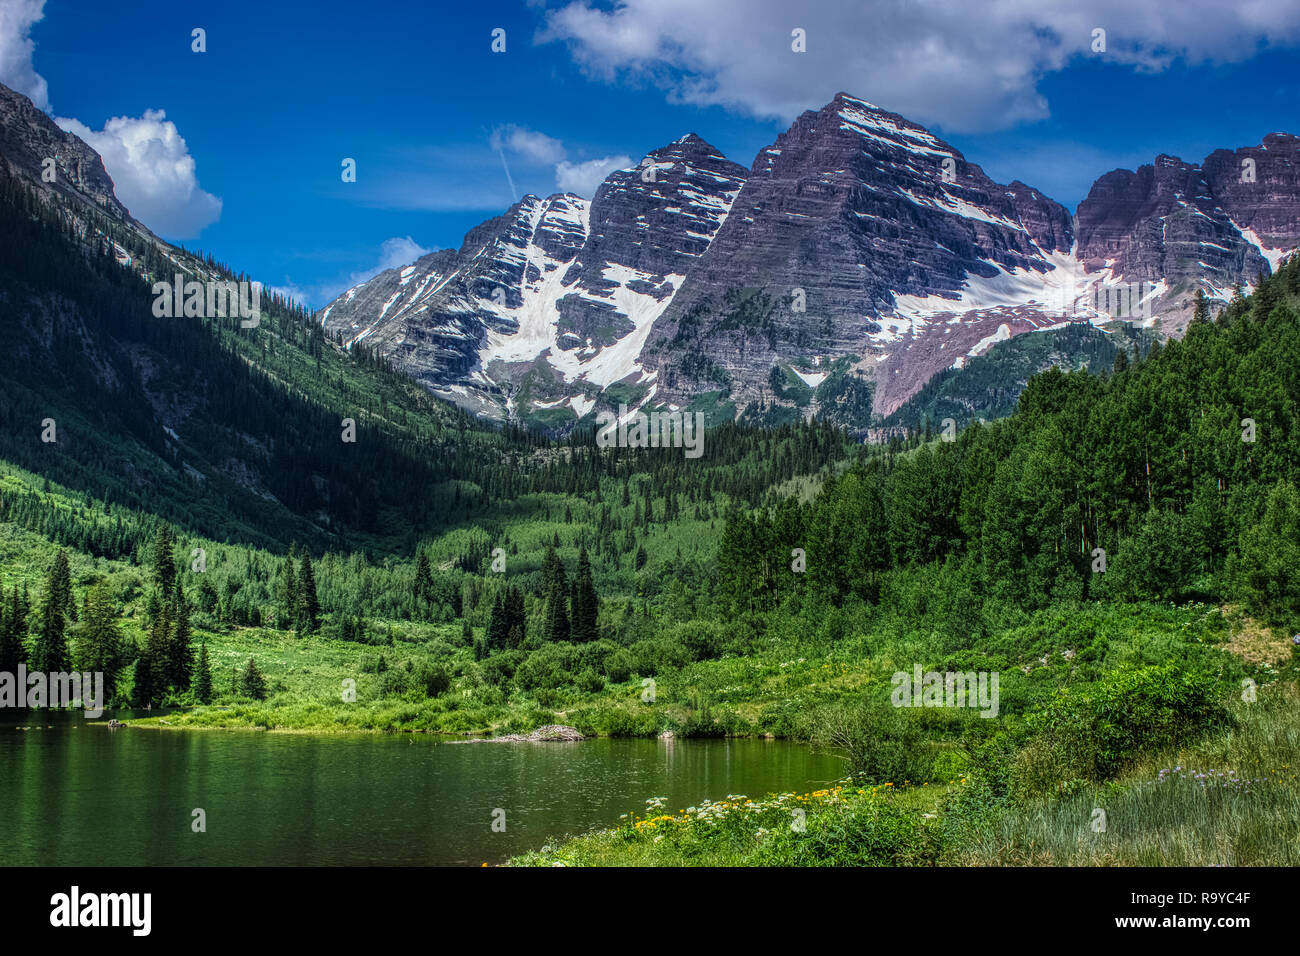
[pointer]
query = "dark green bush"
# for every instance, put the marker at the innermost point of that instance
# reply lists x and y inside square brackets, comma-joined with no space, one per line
[619,666]
[659,655]
[431,678]
[1094,729]
[878,743]
[499,668]
[551,666]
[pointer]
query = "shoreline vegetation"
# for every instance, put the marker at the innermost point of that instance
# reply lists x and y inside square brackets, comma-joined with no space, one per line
[1229,799]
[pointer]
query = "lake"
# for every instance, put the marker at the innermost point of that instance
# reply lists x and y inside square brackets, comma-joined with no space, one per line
[76,794]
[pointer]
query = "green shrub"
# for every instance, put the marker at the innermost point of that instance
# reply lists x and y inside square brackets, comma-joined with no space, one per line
[396,681]
[659,655]
[879,743]
[432,678]
[550,666]
[1089,732]
[949,765]
[702,640]
[624,722]
[867,833]
[499,668]
[619,666]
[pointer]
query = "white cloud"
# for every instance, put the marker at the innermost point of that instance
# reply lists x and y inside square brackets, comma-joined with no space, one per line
[961,65]
[291,290]
[152,171]
[396,252]
[538,149]
[16,48]
[531,145]
[148,161]
[393,254]
[585,178]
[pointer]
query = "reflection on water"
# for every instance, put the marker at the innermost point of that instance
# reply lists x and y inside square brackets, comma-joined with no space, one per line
[73,792]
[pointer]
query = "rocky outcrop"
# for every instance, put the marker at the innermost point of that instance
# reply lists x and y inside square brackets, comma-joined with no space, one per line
[1259,188]
[28,137]
[550,733]
[1163,223]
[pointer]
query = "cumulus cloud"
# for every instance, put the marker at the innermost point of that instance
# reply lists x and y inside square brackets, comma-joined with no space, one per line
[531,148]
[398,251]
[153,172]
[585,178]
[16,48]
[965,66]
[393,254]
[531,145]
[148,161]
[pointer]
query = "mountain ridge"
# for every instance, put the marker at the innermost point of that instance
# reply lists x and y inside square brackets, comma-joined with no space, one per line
[858,257]
[856,236]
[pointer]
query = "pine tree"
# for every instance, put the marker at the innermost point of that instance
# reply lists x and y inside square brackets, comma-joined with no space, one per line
[51,651]
[557,615]
[423,588]
[252,683]
[1202,310]
[309,603]
[586,605]
[152,607]
[164,562]
[13,649]
[497,627]
[98,642]
[516,618]
[203,676]
[180,653]
[151,666]
[287,593]
[63,584]
[550,567]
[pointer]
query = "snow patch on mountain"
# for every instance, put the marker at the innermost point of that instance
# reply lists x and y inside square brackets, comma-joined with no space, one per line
[811,379]
[1274,256]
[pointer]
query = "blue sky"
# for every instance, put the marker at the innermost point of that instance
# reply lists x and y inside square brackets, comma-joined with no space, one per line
[415,95]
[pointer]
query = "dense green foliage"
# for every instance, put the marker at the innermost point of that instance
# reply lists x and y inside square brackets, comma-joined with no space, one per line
[1173,478]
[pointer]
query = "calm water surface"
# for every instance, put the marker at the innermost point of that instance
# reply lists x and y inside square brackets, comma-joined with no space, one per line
[78,794]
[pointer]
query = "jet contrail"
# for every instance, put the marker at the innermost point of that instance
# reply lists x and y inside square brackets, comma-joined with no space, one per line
[513,194]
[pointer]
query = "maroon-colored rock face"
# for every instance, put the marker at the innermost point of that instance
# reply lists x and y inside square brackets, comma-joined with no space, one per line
[1259,187]
[1165,221]
[854,206]
[859,247]
[557,283]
